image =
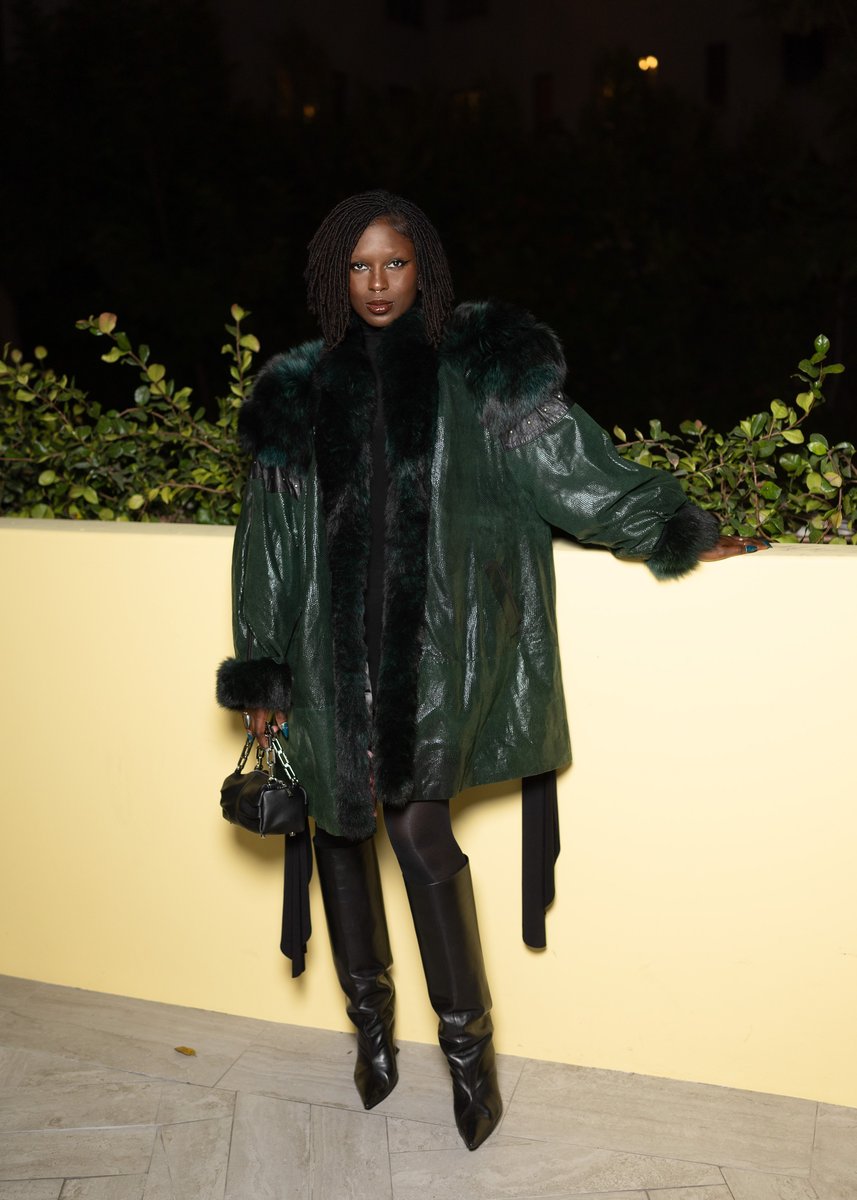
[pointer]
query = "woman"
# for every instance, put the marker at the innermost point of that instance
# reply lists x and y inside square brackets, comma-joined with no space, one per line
[394,595]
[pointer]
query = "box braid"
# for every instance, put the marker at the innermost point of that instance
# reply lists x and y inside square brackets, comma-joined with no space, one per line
[330,251]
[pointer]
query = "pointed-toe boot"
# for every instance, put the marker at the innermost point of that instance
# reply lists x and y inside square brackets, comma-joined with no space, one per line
[448,934]
[357,925]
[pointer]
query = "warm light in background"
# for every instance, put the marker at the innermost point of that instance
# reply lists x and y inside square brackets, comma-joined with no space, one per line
[649,63]
[309,111]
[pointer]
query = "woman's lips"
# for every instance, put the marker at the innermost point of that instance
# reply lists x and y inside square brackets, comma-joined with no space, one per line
[380,307]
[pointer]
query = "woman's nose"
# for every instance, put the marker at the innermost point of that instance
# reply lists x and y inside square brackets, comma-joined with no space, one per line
[377,281]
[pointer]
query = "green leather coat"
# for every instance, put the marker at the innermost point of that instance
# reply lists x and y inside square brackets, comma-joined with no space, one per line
[485,455]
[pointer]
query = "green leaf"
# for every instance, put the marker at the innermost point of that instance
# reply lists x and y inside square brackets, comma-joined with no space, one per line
[250,342]
[808,369]
[90,494]
[41,512]
[834,369]
[779,410]
[791,462]
[817,443]
[833,478]
[770,490]
[814,482]
[805,400]
[238,313]
[112,354]
[156,372]
[135,501]
[822,344]
[141,396]
[41,353]
[47,477]
[795,436]
[619,434]
[107,322]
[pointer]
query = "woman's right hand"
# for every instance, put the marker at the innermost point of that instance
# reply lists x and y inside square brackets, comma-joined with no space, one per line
[259,718]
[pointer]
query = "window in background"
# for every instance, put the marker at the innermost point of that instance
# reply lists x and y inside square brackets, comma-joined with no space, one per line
[804,56]
[462,10]
[406,12]
[717,73]
[543,99]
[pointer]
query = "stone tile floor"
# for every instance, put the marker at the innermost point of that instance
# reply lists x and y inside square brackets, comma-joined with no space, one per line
[96,1104]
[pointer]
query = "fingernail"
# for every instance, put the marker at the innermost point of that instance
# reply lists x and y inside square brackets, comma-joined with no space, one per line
[766,543]
[751,549]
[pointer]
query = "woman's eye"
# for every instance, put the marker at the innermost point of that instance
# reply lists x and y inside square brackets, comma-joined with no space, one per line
[358,266]
[397,262]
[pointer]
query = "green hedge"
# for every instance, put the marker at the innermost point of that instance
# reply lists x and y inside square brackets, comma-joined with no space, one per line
[157,458]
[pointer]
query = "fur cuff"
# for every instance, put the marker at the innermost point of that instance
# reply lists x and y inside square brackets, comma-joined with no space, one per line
[685,536]
[254,683]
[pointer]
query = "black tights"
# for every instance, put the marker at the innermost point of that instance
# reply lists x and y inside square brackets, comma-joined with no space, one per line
[422,838]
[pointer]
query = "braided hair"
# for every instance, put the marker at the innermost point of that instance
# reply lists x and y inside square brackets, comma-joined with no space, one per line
[330,250]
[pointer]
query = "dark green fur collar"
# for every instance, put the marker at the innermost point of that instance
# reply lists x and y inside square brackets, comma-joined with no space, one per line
[510,360]
[511,363]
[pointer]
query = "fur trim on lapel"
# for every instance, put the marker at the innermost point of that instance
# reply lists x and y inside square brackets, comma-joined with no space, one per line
[346,407]
[275,422]
[685,535]
[408,368]
[346,393]
[511,362]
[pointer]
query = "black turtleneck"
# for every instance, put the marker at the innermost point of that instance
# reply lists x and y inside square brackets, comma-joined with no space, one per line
[374,597]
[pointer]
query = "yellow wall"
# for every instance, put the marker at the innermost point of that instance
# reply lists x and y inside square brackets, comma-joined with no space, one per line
[705,921]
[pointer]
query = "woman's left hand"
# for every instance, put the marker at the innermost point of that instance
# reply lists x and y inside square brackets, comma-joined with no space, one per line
[728,546]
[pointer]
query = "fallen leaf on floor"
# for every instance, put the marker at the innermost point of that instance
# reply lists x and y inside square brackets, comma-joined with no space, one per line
[185,1050]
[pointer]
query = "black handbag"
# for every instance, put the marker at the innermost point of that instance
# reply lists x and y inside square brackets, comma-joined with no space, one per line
[261,801]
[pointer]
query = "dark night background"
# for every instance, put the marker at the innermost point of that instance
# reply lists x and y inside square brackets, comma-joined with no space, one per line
[687,231]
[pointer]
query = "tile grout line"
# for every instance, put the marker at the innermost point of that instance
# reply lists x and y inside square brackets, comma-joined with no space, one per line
[310,1175]
[507,1106]
[229,1151]
[812,1147]
[389,1155]
[152,1151]
[726,1184]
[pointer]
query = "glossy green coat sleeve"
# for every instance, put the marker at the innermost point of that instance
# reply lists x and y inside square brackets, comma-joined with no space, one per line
[579,483]
[266,589]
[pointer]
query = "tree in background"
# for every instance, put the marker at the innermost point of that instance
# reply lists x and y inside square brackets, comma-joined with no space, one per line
[680,271]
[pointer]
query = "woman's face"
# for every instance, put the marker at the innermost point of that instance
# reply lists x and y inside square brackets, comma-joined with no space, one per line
[382,277]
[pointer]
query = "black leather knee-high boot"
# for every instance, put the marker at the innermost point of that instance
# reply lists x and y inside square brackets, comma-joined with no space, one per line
[445,921]
[357,925]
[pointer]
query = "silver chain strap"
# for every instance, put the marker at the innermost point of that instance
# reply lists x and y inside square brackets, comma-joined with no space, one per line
[275,748]
[265,758]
